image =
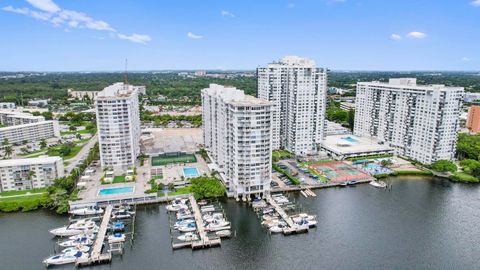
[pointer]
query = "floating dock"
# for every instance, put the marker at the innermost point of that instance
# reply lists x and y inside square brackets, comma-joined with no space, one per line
[205,241]
[292,227]
[96,255]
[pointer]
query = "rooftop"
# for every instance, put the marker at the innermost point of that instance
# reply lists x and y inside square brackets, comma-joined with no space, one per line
[410,83]
[234,96]
[117,90]
[29,161]
[350,144]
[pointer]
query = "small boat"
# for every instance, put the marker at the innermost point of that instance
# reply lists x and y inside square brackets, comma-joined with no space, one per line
[184,214]
[378,184]
[301,216]
[65,258]
[278,228]
[202,202]
[208,208]
[188,237]
[353,182]
[76,248]
[116,227]
[76,228]
[343,184]
[211,217]
[267,210]
[306,223]
[122,214]
[187,228]
[224,233]
[81,240]
[184,222]
[176,207]
[216,224]
[91,210]
[116,238]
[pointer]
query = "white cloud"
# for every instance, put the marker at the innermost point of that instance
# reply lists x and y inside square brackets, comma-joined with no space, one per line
[47,10]
[24,11]
[466,59]
[192,35]
[395,37]
[475,3]
[137,38]
[45,5]
[416,35]
[225,13]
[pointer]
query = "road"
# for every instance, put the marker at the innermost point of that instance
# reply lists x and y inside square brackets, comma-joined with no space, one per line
[81,155]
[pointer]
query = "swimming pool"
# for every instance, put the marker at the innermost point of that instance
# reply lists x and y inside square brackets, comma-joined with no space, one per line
[350,139]
[115,191]
[190,172]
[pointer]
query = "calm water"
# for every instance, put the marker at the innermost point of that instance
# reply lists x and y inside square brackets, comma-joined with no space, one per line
[419,224]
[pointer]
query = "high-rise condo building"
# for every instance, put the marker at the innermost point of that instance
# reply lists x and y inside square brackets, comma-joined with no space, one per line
[237,135]
[118,122]
[418,121]
[298,91]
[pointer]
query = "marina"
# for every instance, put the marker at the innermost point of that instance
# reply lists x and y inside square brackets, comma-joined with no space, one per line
[93,235]
[359,238]
[197,226]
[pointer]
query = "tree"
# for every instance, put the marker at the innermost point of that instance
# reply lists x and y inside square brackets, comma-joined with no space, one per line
[351,118]
[8,150]
[5,142]
[444,166]
[24,142]
[171,186]
[72,128]
[386,162]
[31,174]
[78,136]
[206,187]
[43,143]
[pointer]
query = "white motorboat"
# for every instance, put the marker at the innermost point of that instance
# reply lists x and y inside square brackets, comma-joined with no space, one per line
[184,222]
[76,228]
[224,233]
[176,207]
[65,258]
[378,184]
[116,238]
[184,214]
[188,237]
[208,208]
[187,228]
[217,225]
[91,210]
[306,223]
[76,248]
[79,240]
[278,228]
[211,217]
[303,216]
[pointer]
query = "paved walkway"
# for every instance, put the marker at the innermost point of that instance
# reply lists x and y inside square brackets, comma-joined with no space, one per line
[73,162]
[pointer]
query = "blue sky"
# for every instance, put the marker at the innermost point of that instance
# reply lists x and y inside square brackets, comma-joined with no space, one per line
[94,35]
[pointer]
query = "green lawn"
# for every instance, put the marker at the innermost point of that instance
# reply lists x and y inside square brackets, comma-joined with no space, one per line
[119,179]
[54,151]
[33,152]
[179,191]
[83,131]
[21,192]
[23,198]
[23,203]
[279,154]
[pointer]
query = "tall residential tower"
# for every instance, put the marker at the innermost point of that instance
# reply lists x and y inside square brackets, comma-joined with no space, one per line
[237,135]
[118,122]
[298,91]
[418,121]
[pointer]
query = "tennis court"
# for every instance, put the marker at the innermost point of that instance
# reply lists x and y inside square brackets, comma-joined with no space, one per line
[339,171]
[165,159]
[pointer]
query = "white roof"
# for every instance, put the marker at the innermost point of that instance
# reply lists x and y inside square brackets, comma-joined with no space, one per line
[29,161]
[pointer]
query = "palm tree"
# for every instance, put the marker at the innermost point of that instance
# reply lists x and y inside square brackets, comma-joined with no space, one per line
[8,150]
[78,136]
[43,143]
[30,175]
[5,142]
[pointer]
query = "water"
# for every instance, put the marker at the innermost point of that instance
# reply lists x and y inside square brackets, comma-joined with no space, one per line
[350,139]
[114,191]
[190,172]
[419,224]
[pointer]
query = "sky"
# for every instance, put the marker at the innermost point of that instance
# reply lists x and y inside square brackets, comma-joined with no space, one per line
[98,35]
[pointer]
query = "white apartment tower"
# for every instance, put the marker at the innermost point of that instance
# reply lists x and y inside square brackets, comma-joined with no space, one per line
[418,121]
[118,122]
[298,91]
[237,135]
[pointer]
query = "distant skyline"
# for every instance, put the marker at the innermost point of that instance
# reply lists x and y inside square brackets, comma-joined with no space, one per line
[87,35]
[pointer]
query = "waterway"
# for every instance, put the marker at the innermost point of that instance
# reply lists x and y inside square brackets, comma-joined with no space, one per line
[419,224]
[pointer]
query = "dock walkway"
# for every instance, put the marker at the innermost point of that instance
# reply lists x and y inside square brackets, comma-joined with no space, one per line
[96,255]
